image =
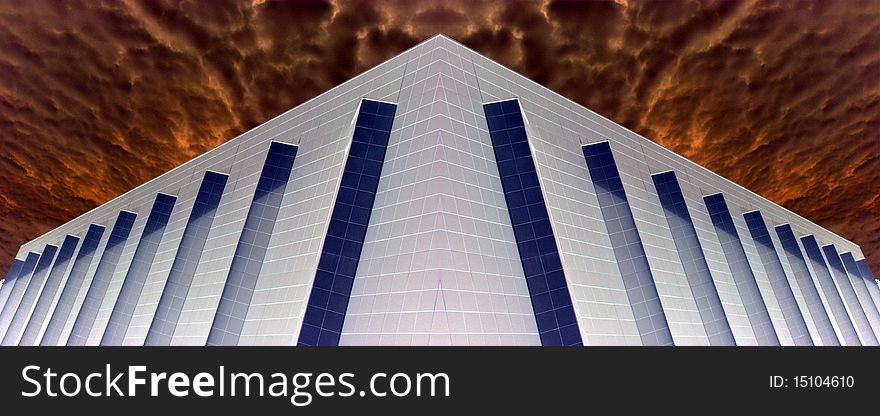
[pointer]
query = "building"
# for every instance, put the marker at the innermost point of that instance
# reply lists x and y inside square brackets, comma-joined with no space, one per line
[439,198]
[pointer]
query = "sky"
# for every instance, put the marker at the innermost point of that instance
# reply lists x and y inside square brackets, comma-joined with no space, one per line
[781,97]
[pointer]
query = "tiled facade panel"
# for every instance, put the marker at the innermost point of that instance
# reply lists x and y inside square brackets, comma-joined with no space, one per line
[684,235]
[29,297]
[536,242]
[741,269]
[833,299]
[627,245]
[41,311]
[61,313]
[439,264]
[847,291]
[186,259]
[85,319]
[852,270]
[870,281]
[795,324]
[341,251]
[139,268]
[9,281]
[17,291]
[251,251]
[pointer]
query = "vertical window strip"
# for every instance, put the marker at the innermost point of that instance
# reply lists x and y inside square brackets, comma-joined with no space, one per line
[693,260]
[187,258]
[141,263]
[743,276]
[638,280]
[340,254]
[252,245]
[542,266]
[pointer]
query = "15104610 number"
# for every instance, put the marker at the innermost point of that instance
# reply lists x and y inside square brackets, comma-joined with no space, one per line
[816,382]
[824,381]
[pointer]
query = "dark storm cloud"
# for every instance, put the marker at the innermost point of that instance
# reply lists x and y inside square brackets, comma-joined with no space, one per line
[98,97]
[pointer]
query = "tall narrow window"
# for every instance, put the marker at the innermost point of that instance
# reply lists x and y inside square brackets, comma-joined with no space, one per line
[689,250]
[137,273]
[187,259]
[743,277]
[627,245]
[328,300]
[251,249]
[545,278]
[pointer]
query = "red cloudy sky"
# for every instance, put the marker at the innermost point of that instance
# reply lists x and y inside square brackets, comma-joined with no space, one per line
[97,97]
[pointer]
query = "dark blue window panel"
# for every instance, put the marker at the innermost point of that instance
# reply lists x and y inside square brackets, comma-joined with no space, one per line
[627,245]
[860,319]
[251,249]
[186,260]
[328,300]
[551,300]
[687,244]
[832,296]
[50,289]
[9,281]
[743,276]
[791,313]
[17,291]
[139,269]
[82,326]
[849,263]
[26,305]
[72,286]
[870,280]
